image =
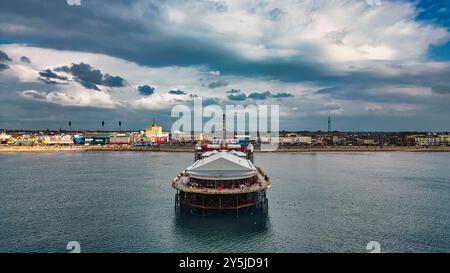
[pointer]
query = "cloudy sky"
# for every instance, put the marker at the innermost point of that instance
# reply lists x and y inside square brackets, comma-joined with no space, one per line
[369,64]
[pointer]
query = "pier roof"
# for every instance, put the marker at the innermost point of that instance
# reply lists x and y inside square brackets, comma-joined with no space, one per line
[222,166]
[210,153]
[238,153]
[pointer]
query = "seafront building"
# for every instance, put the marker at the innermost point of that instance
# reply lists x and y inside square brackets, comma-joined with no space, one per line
[432,140]
[57,140]
[295,138]
[192,137]
[154,135]
[4,138]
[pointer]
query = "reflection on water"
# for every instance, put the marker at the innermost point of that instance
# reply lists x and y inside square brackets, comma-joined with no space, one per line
[232,224]
[224,232]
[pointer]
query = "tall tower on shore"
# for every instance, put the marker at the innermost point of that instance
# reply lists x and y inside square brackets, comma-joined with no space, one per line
[224,128]
[329,124]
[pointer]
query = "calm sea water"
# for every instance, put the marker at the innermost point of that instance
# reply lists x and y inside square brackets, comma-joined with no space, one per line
[324,202]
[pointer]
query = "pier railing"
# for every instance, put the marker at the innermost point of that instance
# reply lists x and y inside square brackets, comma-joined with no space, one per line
[181,182]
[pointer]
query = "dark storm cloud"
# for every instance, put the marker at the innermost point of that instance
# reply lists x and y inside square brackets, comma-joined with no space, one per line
[146,90]
[25,59]
[216,84]
[177,92]
[212,101]
[100,23]
[259,95]
[267,95]
[4,57]
[97,23]
[3,66]
[237,97]
[113,81]
[88,76]
[64,68]
[89,85]
[48,74]
[443,88]
[47,81]
[282,95]
[85,73]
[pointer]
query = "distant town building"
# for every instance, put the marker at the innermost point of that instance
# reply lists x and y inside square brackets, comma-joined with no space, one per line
[425,140]
[154,133]
[304,140]
[432,140]
[97,138]
[444,139]
[153,130]
[120,139]
[4,138]
[57,140]
[367,142]
[246,137]
[187,136]
[339,140]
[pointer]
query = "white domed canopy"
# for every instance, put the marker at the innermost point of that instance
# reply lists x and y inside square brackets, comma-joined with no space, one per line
[222,166]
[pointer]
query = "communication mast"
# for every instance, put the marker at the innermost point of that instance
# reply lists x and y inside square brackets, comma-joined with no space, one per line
[224,129]
[329,124]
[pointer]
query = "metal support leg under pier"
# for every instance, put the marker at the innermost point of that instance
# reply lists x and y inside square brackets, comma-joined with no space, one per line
[237,205]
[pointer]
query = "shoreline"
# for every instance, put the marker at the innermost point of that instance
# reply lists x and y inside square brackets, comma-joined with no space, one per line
[327,149]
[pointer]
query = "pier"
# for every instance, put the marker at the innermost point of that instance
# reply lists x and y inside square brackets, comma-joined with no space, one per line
[222,180]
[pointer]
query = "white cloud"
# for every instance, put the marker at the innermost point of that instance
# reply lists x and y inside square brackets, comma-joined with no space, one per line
[164,79]
[73,97]
[319,30]
[415,91]
[153,102]
[388,108]
[73,2]
[194,80]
